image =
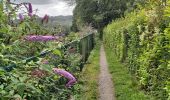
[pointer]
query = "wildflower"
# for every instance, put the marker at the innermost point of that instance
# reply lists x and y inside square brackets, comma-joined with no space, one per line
[30,14]
[45,19]
[70,77]
[30,11]
[21,17]
[30,8]
[40,38]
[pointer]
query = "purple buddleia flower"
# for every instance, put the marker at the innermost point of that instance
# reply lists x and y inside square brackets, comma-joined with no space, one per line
[21,17]
[30,14]
[30,8]
[40,38]
[69,76]
[30,11]
[45,19]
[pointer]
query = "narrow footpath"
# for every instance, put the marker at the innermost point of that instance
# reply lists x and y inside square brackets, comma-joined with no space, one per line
[106,88]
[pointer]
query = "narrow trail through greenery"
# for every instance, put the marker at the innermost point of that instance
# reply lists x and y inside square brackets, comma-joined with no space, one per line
[125,85]
[105,82]
[79,54]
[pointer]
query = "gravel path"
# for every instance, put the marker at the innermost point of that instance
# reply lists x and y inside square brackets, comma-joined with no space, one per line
[106,88]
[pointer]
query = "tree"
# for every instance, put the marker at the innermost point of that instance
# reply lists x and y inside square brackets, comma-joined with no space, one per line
[98,12]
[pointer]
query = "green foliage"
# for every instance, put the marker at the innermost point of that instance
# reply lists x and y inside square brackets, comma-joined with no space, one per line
[88,79]
[141,39]
[34,80]
[98,13]
[125,85]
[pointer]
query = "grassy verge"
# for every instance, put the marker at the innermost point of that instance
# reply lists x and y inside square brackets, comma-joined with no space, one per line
[125,85]
[88,80]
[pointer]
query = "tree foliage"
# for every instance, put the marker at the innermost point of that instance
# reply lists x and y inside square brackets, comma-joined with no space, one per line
[97,13]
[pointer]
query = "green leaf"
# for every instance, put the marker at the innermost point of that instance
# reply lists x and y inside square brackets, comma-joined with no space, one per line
[2,72]
[22,79]
[21,87]
[57,52]
[56,77]
[1,86]
[17,96]
[168,65]
[59,45]
[11,92]
[46,68]
[14,80]
[33,89]
[3,92]
[27,25]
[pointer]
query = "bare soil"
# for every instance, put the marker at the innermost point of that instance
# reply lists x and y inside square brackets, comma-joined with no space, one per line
[106,88]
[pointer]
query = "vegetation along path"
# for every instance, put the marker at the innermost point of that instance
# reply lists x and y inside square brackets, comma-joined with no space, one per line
[105,82]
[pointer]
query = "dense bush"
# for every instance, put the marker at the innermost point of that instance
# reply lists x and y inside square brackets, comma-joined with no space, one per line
[33,80]
[142,40]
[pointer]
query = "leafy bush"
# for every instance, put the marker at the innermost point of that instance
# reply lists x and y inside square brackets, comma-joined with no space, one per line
[33,80]
[141,39]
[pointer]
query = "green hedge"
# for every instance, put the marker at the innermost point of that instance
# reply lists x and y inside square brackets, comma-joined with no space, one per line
[142,40]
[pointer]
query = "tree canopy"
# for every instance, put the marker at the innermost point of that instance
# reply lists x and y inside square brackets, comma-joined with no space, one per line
[98,13]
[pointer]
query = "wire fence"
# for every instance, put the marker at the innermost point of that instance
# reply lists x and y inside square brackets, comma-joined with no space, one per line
[84,46]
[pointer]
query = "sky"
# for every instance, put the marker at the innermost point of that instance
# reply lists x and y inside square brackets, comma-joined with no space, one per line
[50,7]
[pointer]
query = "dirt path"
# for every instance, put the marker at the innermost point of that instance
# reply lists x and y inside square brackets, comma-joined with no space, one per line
[105,82]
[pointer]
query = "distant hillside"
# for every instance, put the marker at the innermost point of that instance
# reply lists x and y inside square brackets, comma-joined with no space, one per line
[65,21]
[61,20]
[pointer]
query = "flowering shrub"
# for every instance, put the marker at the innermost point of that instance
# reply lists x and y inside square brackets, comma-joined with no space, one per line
[30,11]
[26,38]
[45,19]
[21,17]
[40,38]
[67,75]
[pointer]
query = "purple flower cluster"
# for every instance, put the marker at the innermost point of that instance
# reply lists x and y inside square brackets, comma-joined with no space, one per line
[69,76]
[40,38]
[30,11]
[29,8]
[21,17]
[45,19]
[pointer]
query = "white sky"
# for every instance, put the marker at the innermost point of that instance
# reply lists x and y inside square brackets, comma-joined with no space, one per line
[50,7]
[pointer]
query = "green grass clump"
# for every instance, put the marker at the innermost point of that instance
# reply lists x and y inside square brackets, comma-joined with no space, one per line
[125,86]
[88,81]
